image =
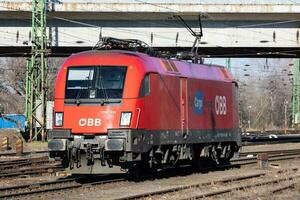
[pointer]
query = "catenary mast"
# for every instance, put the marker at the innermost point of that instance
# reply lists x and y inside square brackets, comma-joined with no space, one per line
[36,83]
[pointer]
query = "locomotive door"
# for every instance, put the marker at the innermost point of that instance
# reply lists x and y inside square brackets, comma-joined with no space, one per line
[183,106]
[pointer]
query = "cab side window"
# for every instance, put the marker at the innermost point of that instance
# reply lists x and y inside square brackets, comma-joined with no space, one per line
[145,87]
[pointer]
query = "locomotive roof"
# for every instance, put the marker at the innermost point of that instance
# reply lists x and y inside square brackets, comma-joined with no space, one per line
[165,66]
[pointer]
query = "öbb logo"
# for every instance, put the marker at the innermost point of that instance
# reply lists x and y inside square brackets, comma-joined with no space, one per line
[220,105]
[89,122]
[198,103]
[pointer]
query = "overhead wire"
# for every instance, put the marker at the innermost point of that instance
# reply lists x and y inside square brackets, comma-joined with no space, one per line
[132,31]
[95,26]
[143,22]
[250,30]
[211,17]
[127,30]
[60,41]
[268,23]
[156,23]
[165,7]
[90,25]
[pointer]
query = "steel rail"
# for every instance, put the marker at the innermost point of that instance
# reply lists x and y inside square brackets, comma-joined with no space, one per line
[281,188]
[52,186]
[207,194]
[240,187]
[242,161]
[179,188]
[19,163]
[252,160]
[270,152]
[24,153]
[15,190]
[28,166]
[40,190]
[32,171]
[3,162]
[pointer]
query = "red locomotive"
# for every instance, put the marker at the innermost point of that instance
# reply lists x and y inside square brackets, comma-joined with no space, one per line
[122,108]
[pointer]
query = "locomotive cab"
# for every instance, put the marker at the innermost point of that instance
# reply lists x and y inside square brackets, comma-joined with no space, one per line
[97,106]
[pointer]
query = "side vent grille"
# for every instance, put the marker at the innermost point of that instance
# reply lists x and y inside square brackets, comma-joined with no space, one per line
[173,66]
[169,66]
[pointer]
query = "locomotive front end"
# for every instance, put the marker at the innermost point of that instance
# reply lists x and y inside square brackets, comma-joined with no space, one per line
[96,111]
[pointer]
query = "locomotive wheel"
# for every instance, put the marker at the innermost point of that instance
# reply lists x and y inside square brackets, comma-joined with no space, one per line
[215,154]
[173,159]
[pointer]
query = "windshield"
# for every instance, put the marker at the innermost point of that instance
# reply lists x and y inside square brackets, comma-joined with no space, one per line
[95,82]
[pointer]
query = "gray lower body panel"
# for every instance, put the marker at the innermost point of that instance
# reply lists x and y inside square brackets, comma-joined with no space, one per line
[142,140]
[124,147]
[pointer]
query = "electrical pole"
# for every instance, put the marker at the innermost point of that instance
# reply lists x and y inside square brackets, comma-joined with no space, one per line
[36,83]
[249,117]
[271,110]
[295,95]
[228,63]
[285,116]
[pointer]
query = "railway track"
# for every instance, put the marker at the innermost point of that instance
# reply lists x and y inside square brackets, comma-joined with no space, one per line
[28,166]
[58,185]
[245,186]
[280,155]
[31,171]
[4,164]
[274,156]
[233,182]
[24,153]
[80,182]
[271,152]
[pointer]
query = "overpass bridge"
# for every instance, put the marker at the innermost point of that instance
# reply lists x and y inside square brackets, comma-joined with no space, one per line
[243,28]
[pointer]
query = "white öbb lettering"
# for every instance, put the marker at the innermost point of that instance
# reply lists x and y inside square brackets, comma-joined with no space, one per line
[220,105]
[89,122]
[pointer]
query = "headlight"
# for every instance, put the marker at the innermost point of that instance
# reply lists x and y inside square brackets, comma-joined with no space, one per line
[125,118]
[59,119]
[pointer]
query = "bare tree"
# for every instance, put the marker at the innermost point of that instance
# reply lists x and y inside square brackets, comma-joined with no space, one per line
[54,64]
[13,82]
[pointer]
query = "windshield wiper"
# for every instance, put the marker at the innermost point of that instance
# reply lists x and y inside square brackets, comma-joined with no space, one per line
[108,101]
[77,100]
[102,88]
